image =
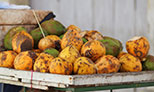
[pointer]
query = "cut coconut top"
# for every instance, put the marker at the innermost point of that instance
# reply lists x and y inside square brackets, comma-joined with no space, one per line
[135,38]
[82,33]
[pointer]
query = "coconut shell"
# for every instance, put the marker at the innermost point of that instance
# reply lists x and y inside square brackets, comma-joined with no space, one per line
[129,63]
[25,60]
[60,66]
[93,49]
[72,37]
[37,35]
[42,62]
[73,27]
[45,43]
[93,35]
[22,41]
[52,52]
[121,54]
[53,27]
[113,46]
[9,36]
[70,54]
[50,41]
[83,33]
[37,51]
[56,40]
[107,64]
[138,47]
[84,65]
[7,58]
[148,64]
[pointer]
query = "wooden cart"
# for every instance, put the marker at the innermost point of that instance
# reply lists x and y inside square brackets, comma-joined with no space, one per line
[76,83]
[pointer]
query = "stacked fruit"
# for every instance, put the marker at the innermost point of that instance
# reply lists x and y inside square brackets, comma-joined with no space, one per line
[61,50]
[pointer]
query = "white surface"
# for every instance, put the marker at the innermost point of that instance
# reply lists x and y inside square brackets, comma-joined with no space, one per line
[115,78]
[6,5]
[36,76]
[45,80]
[23,84]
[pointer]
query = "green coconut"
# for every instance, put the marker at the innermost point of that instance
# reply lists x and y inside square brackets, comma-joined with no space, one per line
[10,34]
[61,36]
[84,40]
[116,41]
[148,64]
[53,27]
[37,35]
[52,52]
[113,46]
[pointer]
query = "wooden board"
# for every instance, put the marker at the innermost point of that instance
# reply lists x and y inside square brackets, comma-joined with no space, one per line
[45,80]
[18,83]
[114,78]
[44,83]
[21,16]
[65,79]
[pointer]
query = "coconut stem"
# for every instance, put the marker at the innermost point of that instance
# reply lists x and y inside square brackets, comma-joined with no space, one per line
[38,23]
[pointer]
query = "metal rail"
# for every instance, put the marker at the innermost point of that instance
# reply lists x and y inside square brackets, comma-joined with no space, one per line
[110,87]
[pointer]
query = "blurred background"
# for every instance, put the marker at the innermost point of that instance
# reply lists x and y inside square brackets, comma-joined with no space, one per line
[121,19]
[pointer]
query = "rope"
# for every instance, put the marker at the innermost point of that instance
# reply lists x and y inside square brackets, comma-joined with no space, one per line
[31,78]
[43,36]
[38,23]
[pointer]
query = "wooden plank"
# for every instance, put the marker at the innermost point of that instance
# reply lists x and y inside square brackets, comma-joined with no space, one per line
[114,78]
[44,83]
[77,80]
[103,16]
[23,84]
[64,79]
[21,16]
[8,78]
[6,28]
